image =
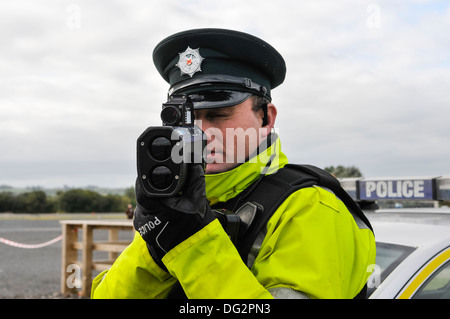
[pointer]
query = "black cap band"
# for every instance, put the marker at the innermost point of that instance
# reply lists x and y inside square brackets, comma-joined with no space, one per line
[214,99]
[211,91]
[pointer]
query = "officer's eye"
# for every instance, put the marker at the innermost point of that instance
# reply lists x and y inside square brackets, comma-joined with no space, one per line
[218,115]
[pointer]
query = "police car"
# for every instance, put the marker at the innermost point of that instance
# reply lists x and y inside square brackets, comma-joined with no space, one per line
[413,244]
[413,261]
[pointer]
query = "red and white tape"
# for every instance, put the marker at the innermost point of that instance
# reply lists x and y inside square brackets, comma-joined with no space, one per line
[27,246]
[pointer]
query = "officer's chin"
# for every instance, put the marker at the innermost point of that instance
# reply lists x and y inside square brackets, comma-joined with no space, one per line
[217,168]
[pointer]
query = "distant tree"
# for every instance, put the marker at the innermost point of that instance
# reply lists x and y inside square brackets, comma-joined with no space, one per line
[111,203]
[82,200]
[6,201]
[70,200]
[341,171]
[32,202]
[79,200]
[130,196]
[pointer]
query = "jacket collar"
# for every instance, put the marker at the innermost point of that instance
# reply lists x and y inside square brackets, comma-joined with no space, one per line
[223,186]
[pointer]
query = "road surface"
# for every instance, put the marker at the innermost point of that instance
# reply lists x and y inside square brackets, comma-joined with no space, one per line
[34,273]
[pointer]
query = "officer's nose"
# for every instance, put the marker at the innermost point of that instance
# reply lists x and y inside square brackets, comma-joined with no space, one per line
[201,121]
[205,126]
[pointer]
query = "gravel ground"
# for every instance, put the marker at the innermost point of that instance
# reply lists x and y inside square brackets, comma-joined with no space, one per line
[34,273]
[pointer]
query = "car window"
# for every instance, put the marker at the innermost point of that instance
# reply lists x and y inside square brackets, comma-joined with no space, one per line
[388,257]
[437,286]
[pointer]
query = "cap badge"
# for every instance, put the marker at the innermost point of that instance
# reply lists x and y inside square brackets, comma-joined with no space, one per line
[190,61]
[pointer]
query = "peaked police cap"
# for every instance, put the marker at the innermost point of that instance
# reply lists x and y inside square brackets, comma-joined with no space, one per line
[218,67]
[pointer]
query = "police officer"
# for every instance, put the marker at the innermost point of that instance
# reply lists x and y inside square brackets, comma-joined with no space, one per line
[311,247]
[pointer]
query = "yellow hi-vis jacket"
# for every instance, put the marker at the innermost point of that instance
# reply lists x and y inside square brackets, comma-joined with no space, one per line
[312,247]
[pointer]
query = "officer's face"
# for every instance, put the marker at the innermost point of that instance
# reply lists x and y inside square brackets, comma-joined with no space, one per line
[233,133]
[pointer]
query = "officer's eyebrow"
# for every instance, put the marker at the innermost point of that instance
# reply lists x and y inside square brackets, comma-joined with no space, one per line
[215,112]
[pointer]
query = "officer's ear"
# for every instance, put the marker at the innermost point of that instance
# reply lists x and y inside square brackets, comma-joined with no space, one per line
[271,116]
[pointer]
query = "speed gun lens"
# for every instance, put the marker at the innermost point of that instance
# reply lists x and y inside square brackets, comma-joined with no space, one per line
[160,149]
[161,177]
[171,115]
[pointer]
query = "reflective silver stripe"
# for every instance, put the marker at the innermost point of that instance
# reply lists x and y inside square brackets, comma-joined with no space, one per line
[254,251]
[359,222]
[287,293]
[280,292]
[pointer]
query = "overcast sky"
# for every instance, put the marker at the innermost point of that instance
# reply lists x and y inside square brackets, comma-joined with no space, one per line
[367,83]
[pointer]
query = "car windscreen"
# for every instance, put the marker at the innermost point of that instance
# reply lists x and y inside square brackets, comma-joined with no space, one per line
[389,256]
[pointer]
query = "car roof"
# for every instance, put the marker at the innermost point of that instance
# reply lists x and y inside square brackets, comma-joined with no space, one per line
[411,234]
[416,210]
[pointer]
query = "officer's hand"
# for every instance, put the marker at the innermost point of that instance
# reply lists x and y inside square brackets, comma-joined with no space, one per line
[165,222]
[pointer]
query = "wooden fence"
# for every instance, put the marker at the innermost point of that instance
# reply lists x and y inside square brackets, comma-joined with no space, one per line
[85,266]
